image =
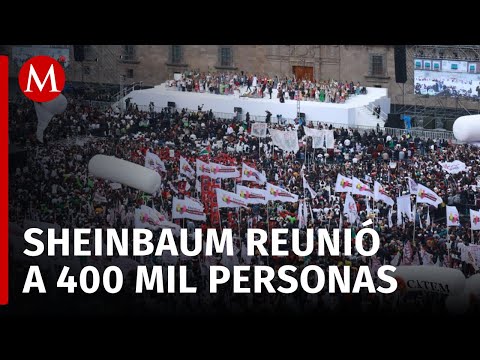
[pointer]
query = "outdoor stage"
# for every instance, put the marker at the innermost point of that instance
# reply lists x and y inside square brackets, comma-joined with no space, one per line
[352,113]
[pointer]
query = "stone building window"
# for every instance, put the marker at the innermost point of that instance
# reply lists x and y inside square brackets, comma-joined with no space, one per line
[377,65]
[129,53]
[176,54]
[225,57]
[130,73]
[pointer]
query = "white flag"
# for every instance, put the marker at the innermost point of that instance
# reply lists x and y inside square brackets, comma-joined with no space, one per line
[229,200]
[186,169]
[453,167]
[390,222]
[252,195]
[300,216]
[359,188]
[152,161]
[404,206]
[259,129]
[425,195]
[412,186]
[187,209]
[285,140]
[313,132]
[419,217]
[306,186]
[115,186]
[219,171]
[276,193]
[148,218]
[453,217]
[379,194]
[202,168]
[250,174]
[329,139]
[343,184]
[318,137]
[428,221]
[475,219]
[350,209]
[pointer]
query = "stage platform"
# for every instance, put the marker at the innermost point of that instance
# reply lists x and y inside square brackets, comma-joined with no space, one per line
[354,112]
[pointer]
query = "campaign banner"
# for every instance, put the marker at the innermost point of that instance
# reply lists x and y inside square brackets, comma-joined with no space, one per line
[152,161]
[379,194]
[187,209]
[359,188]
[230,200]
[276,193]
[250,174]
[219,171]
[425,195]
[186,169]
[252,195]
[343,184]
[453,217]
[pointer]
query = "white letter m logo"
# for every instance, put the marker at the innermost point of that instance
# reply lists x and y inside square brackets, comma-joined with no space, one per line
[50,74]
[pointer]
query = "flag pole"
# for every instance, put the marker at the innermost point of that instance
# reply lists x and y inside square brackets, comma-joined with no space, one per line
[414,222]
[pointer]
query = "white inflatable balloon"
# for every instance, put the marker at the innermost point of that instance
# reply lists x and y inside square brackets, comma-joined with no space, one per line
[125,172]
[467,128]
[56,106]
[430,279]
[46,111]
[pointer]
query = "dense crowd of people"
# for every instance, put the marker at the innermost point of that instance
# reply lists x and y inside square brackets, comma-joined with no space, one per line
[54,186]
[251,85]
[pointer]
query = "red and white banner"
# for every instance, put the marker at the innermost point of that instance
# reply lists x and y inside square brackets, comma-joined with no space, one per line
[202,168]
[252,195]
[250,174]
[379,194]
[453,218]
[187,209]
[152,161]
[359,188]
[219,171]
[276,193]
[186,169]
[475,219]
[425,195]
[343,184]
[229,200]
[350,209]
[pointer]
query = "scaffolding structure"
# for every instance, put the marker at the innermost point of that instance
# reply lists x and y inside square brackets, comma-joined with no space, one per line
[438,111]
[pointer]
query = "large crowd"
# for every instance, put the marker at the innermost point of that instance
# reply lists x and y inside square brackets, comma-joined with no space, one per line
[54,186]
[251,85]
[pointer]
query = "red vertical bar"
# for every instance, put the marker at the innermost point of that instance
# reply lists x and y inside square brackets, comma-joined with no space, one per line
[3,180]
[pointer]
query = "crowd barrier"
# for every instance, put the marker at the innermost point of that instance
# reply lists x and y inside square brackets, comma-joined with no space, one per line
[422,133]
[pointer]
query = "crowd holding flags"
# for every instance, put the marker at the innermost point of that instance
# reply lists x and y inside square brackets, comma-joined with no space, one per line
[244,195]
